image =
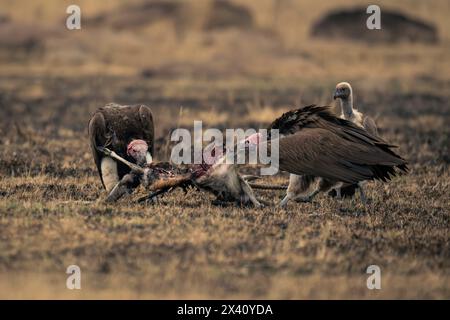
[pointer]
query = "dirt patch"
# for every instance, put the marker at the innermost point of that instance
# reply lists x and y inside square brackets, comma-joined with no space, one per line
[395,27]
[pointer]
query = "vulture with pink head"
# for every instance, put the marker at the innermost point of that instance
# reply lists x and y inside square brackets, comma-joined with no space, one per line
[314,142]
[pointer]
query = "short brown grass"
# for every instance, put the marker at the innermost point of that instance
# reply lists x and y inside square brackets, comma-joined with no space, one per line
[184,247]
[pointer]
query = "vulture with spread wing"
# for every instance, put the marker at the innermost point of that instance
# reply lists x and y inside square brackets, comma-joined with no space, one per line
[314,142]
[126,130]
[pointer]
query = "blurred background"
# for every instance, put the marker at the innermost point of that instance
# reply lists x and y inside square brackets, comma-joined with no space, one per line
[220,58]
[236,63]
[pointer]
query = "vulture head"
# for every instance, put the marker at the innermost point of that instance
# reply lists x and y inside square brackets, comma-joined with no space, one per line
[252,141]
[137,149]
[343,91]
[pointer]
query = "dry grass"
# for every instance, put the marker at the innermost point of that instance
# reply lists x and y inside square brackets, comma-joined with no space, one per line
[184,247]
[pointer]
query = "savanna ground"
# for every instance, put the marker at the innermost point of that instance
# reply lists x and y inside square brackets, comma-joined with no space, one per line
[184,247]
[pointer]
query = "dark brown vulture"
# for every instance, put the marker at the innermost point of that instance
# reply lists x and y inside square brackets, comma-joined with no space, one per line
[316,143]
[344,93]
[126,130]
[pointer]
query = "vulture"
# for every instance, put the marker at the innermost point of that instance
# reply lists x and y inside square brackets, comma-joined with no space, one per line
[299,184]
[313,142]
[128,131]
[344,93]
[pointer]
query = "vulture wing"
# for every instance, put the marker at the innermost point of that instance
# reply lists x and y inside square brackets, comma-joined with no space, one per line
[148,130]
[315,142]
[97,137]
[370,126]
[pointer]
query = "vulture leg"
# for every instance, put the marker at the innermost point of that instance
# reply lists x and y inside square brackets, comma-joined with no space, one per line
[307,198]
[298,198]
[338,193]
[362,193]
[324,185]
[109,173]
[327,185]
[298,185]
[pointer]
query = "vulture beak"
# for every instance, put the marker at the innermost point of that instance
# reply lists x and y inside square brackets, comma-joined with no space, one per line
[337,94]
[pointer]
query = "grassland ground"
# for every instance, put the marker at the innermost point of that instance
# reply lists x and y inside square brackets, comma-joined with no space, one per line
[239,76]
[184,247]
